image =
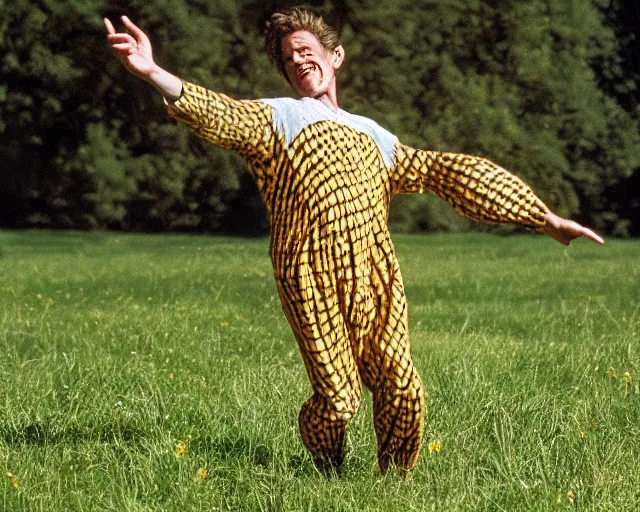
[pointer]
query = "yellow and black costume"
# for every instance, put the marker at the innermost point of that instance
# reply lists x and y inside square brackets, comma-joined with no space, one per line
[327,178]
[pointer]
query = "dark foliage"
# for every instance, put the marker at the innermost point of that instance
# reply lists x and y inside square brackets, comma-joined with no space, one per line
[546,89]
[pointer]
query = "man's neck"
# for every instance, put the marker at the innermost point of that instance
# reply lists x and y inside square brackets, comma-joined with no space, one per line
[330,100]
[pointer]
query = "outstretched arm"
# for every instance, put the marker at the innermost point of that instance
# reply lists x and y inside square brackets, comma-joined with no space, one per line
[480,190]
[244,126]
[133,48]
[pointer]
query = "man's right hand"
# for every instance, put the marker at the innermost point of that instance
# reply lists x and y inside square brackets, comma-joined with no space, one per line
[133,48]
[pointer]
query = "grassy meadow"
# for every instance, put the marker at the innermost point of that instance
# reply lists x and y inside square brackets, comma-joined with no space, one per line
[143,373]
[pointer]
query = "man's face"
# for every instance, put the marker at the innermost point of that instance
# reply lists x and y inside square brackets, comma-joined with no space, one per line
[311,69]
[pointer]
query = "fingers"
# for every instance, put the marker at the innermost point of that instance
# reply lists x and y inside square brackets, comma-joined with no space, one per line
[121,38]
[139,34]
[124,46]
[109,25]
[575,230]
[587,233]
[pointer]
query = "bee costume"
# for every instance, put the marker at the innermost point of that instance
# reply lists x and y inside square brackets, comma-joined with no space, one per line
[327,179]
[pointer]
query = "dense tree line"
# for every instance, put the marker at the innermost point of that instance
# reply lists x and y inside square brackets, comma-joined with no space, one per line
[546,88]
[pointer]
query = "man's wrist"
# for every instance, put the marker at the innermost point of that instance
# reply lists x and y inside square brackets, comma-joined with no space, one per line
[170,86]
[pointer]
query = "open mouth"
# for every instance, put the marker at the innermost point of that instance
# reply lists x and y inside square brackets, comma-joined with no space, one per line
[305,71]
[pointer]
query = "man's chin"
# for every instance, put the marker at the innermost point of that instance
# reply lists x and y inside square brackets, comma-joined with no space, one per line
[306,93]
[313,89]
[315,92]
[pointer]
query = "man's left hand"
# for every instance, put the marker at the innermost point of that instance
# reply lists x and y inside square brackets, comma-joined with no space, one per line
[565,230]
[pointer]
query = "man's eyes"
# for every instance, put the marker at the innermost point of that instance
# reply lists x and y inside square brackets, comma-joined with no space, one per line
[302,53]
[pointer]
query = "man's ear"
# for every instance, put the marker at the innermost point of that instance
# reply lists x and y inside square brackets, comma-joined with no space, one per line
[337,58]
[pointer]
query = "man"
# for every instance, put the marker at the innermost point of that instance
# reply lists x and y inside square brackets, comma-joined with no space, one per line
[327,178]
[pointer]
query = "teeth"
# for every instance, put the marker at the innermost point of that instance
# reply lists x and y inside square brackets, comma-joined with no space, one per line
[305,70]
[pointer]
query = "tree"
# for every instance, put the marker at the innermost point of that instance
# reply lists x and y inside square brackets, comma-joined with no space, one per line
[546,89]
[511,81]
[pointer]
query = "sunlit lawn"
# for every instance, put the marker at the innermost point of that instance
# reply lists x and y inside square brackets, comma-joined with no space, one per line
[144,373]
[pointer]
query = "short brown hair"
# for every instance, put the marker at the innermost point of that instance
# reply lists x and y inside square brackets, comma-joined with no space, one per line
[291,20]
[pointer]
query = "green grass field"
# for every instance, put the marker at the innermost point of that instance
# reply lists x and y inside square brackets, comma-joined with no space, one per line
[144,373]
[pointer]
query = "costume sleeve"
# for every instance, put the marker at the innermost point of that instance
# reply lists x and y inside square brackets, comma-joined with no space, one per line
[244,126]
[474,186]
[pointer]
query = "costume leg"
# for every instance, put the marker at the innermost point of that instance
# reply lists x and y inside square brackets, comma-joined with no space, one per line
[319,327]
[323,431]
[387,370]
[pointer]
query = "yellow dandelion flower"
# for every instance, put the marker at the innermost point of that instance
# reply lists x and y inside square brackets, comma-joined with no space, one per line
[435,446]
[171,376]
[571,497]
[15,483]
[202,473]
[180,449]
[224,324]
[582,434]
[627,382]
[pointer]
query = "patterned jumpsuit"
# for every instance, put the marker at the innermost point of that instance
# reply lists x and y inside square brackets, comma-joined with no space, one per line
[327,179]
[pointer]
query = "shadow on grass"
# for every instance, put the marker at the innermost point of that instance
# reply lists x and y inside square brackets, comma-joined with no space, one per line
[256,454]
[226,448]
[234,447]
[300,463]
[40,434]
